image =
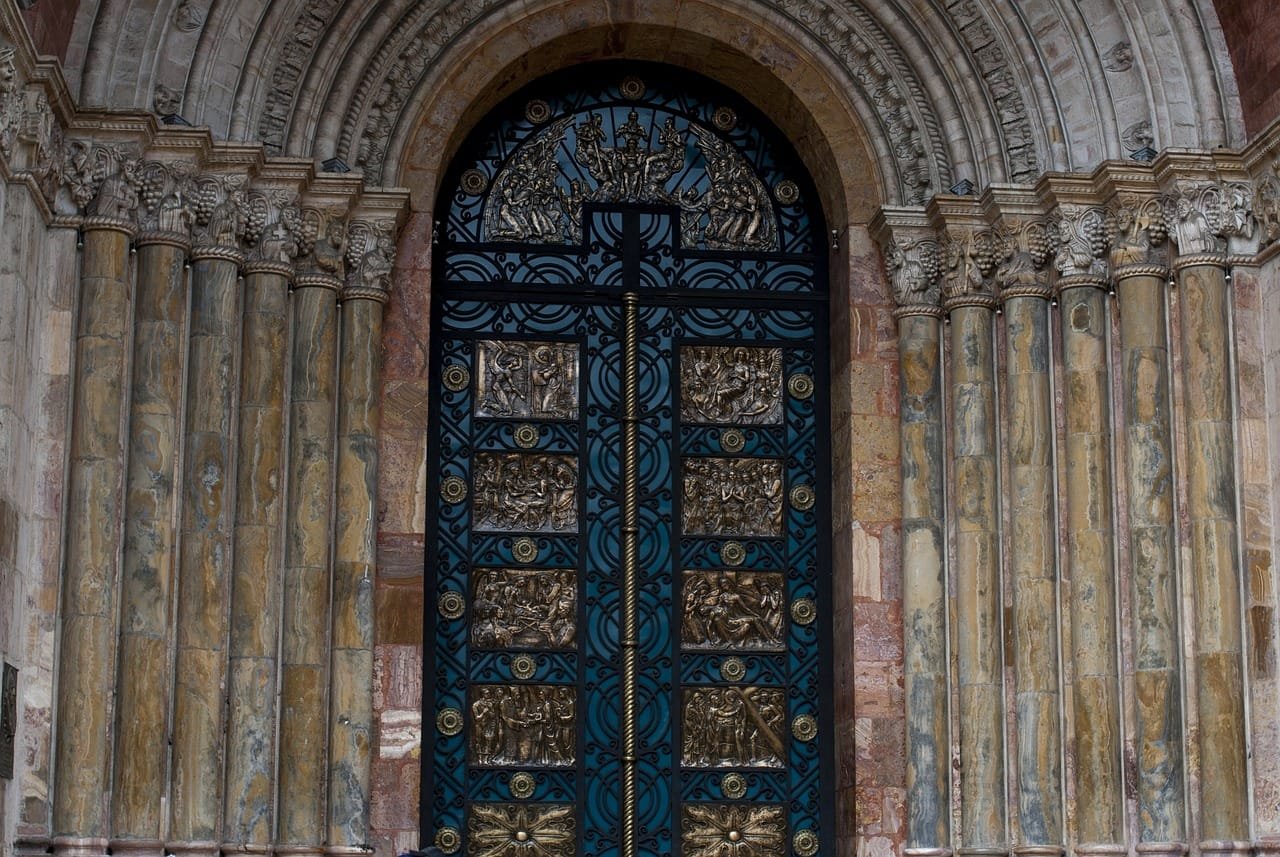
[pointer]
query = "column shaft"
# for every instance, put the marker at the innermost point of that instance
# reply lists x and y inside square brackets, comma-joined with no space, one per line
[977,575]
[204,558]
[305,648]
[1215,562]
[924,588]
[94,514]
[351,721]
[144,680]
[1032,563]
[1095,686]
[257,560]
[1152,552]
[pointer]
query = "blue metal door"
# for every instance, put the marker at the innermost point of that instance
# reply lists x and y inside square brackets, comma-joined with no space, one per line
[627,651]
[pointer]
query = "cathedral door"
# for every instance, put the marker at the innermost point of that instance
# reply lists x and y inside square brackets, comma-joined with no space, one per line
[628,574]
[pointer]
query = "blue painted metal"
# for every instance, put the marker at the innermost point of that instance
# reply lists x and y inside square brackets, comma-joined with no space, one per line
[570,292]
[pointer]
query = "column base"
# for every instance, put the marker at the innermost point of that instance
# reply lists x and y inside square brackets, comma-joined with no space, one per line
[1226,848]
[79,846]
[32,846]
[298,851]
[194,849]
[1039,850]
[1268,847]
[245,848]
[926,852]
[1100,849]
[983,851]
[347,850]
[1162,849]
[137,848]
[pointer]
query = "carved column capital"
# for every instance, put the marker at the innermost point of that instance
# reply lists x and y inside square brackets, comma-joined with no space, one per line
[1138,231]
[274,233]
[322,258]
[220,206]
[165,214]
[969,258]
[1024,247]
[1081,243]
[1213,223]
[103,183]
[914,265]
[371,250]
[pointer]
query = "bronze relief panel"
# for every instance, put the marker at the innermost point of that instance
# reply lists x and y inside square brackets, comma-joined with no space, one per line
[524,492]
[732,610]
[732,497]
[733,727]
[523,724]
[731,384]
[530,608]
[527,380]
[718,830]
[521,830]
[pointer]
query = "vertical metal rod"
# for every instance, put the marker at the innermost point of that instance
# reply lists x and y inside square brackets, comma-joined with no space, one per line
[630,536]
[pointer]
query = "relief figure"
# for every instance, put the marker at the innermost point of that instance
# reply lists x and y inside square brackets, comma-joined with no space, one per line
[732,496]
[527,380]
[524,724]
[732,610]
[733,727]
[731,384]
[517,492]
[524,608]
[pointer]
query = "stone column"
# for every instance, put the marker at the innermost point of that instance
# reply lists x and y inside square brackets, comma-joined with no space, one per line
[924,604]
[257,558]
[86,669]
[968,299]
[1082,298]
[145,678]
[1140,279]
[1033,542]
[351,725]
[204,570]
[305,646]
[1204,303]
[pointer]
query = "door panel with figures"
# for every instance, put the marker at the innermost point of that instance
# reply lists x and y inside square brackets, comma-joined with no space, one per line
[627,651]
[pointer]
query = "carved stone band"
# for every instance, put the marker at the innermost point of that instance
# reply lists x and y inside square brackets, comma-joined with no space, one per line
[1081,281]
[262,266]
[313,280]
[1141,271]
[174,239]
[1215,260]
[362,293]
[1012,292]
[211,251]
[111,224]
[977,299]
[931,310]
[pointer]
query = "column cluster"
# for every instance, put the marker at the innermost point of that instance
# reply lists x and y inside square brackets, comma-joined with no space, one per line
[227,356]
[1050,550]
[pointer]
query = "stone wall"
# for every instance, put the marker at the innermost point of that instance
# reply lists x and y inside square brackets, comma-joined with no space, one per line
[1252,29]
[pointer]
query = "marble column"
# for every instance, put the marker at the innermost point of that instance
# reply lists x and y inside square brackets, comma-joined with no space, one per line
[305,646]
[204,570]
[257,559]
[971,307]
[1144,343]
[144,680]
[351,724]
[95,481]
[1033,546]
[1095,696]
[1204,301]
[924,585]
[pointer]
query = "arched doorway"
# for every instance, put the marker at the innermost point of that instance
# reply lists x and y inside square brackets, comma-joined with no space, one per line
[628,651]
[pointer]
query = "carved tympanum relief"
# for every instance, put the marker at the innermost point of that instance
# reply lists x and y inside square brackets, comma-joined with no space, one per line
[730,384]
[540,193]
[525,493]
[521,830]
[732,610]
[733,727]
[733,830]
[732,496]
[524,607]
[528,380]
[523,724]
